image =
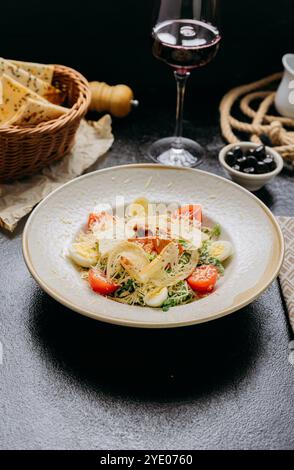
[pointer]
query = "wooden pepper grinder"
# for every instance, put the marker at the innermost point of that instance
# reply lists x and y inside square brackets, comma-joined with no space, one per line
[118,99]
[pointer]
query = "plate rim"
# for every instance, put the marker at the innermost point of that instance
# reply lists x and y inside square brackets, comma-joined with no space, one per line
[143,324]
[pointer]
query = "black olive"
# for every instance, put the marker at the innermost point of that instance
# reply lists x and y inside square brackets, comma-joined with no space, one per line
[236,167]
[270,162]
[260,152]
[237,151]
[231,158]
[262,167]
[242,161]
[249,170]
[251,161]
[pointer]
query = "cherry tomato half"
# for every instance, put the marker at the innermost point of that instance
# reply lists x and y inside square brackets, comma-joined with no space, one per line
[100,284]
[203,279]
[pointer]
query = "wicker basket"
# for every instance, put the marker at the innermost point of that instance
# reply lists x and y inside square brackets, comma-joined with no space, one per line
[26,150]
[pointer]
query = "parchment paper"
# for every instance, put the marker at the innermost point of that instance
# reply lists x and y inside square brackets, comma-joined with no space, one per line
[93,139]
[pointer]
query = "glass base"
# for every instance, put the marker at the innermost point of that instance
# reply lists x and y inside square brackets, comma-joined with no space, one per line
[176,151]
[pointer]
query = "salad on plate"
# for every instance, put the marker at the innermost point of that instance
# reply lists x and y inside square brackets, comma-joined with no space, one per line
[150,257]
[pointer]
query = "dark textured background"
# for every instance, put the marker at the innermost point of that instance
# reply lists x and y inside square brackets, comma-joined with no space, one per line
[110,40]
[69,382]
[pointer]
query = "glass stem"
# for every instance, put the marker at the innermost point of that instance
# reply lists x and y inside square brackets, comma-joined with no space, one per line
[181,80]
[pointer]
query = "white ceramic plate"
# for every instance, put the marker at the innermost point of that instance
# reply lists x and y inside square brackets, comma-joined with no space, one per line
[245,220]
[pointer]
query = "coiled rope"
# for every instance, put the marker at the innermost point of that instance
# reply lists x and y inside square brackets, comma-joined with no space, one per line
[276,128]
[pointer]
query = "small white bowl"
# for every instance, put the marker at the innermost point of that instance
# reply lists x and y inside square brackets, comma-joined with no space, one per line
[251,182]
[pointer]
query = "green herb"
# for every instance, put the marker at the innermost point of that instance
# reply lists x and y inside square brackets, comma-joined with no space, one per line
[213,232]
[127,287]
[206,230]
[205,258]
[166,306]
[203,253]
[178,294]
[216,231]
[183,243]
[217,263]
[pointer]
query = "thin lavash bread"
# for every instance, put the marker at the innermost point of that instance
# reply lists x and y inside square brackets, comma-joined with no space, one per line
[13,95]
[35,111]
[43,71]
[30,81]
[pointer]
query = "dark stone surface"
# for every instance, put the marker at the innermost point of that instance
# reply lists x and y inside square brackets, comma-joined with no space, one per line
[70,382]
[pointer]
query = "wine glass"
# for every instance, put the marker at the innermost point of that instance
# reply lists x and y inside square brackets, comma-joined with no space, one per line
[185,36]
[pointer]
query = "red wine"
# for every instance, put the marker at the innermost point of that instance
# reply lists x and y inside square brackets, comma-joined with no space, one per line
[185,44]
